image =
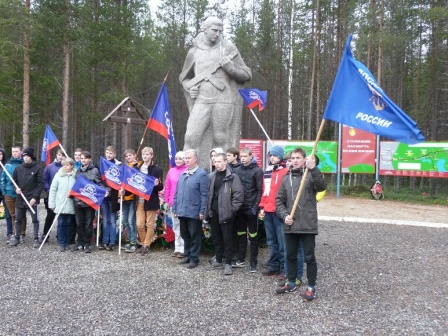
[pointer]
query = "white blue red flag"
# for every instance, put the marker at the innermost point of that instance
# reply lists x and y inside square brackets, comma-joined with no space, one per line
[50,141]
[111,173]
[254,97]
[357,100]
[137,182]
[160,122]
[88,192]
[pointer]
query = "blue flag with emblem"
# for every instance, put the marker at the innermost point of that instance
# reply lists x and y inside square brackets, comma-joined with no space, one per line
[357,100]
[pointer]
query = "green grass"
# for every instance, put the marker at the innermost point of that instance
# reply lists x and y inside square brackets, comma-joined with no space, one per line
[402,195]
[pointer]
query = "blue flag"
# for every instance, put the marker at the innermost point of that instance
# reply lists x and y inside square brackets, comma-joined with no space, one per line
[137,182]
[357,100]
[88,192]
[160,122]
[111,173]
[254,97]
[50,141]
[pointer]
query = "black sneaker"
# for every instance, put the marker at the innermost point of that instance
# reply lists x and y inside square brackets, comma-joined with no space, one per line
[269,272]
[286,289]
[77,248]
[36,243]
[184,261]
[253,267]
[103,247]
[87,249]
[111,247]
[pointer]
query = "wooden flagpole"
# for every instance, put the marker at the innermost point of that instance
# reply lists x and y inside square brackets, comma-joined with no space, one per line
[305,174]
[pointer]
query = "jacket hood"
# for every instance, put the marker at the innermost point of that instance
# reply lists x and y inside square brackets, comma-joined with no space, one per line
[4,155]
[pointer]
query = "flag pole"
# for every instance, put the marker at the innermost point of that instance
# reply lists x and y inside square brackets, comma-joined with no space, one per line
[98,228]
[305,174]
[63,150]
[262,128]
[121,221]
[52,224]
[146,128]
[17,187]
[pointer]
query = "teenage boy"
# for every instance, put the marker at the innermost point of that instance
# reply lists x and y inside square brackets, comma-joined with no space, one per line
[251,177]
[9,191]
[233,158]
[225,197]
[109,208]
[128,205]
[77,158]
[147,210]
[29,180]
[303,225]
[272,223]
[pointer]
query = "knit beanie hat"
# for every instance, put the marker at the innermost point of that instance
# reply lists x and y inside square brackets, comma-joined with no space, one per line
[29,152]
[181,154]
[277,151]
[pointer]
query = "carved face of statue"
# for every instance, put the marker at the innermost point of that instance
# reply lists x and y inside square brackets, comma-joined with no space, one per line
[212,34]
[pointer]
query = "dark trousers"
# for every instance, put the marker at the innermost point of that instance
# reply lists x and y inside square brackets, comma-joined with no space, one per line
[191,233]
[64,228]
[49,219]
[245,221]
[11,205]
[84,225]
[292,243]
[222,239]
[20,214]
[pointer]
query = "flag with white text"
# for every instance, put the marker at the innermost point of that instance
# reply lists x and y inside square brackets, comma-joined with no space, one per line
[49,142]
[254,97]
[161,122]
[357,100]
[88,192]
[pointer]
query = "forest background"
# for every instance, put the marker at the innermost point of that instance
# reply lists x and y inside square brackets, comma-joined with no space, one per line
[69,63]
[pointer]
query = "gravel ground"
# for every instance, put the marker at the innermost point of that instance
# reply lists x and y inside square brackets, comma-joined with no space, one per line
[373,279]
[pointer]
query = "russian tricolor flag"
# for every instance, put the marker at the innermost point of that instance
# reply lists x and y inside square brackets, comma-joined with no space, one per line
[160,122]
[50,141]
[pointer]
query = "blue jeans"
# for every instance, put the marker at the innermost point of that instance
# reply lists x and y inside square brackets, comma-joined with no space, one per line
[65,226]
[275,235]
[129,220]
[109,222]
[9,228]
[276,242]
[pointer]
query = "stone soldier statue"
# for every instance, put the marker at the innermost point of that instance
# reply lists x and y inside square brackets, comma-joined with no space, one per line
[212,74]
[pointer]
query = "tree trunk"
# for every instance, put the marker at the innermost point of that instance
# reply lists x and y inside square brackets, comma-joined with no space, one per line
[66,79]
[26,78]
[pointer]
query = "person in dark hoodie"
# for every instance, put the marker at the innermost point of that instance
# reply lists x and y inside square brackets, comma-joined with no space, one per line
[251,177]
[29,179]
[9,191]
[9,229]
[84,214]
[49,173]
[233,158]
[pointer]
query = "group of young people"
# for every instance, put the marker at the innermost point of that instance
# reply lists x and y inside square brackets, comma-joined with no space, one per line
[230,196]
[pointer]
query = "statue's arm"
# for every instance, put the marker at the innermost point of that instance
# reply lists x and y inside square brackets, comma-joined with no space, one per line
[236,68]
